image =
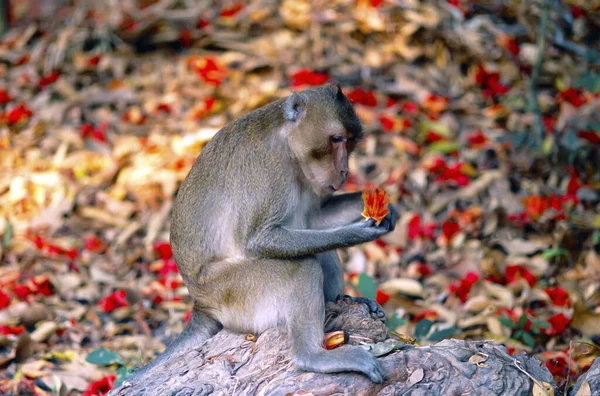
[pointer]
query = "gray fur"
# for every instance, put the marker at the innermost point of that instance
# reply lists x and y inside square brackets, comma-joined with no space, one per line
[245,235]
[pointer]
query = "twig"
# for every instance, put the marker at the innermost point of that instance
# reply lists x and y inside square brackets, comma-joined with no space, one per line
[538,131]
[569,366]
[517,364]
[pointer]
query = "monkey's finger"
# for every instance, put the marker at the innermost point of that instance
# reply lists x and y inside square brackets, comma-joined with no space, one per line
[370,222]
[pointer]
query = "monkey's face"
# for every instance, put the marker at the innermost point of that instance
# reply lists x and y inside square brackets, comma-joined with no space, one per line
[324,134]
[324,160]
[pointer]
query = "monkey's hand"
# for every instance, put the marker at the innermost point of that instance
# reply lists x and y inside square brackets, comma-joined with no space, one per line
[369,231]
[389,221]
[374,307]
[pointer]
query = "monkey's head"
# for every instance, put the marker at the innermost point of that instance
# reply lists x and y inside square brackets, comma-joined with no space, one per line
[323,130]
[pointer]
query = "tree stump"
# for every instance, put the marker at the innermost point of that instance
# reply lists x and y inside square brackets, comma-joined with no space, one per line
[235,364]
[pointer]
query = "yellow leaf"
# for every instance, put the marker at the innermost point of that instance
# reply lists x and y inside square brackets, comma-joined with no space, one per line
[584,389]
[547,390]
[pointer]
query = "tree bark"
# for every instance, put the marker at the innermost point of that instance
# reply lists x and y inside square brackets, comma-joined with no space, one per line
[235,364]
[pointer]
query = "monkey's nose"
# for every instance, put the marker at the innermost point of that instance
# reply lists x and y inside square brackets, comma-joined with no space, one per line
[344,174]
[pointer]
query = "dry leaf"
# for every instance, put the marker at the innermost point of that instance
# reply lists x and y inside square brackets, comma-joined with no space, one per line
[547,390]
[584,389]
[416,376]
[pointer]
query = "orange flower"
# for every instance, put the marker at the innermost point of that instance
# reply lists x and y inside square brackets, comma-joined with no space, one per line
[376,204]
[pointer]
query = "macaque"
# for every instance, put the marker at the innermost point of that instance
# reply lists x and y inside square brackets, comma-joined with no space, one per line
[255,226]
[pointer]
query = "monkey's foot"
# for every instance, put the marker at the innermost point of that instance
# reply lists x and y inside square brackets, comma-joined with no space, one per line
[374,308]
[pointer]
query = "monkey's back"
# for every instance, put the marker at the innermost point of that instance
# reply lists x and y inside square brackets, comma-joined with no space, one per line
[235,184]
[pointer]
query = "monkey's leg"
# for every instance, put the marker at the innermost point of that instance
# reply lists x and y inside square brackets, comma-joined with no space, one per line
[305,322]
[255,295]
[333,284]
[333,277]
[198,330]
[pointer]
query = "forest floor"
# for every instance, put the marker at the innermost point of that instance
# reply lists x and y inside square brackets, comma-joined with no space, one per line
[481,123]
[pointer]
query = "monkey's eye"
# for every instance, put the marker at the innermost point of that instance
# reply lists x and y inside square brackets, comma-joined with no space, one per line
[338,139]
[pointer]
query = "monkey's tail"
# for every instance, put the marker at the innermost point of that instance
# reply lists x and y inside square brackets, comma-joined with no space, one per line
[199,329]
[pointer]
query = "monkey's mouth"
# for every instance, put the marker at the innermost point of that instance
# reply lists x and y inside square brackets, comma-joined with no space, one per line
[334,188]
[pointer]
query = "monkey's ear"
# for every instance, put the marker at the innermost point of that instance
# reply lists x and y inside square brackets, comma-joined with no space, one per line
[338,91]
[294,106]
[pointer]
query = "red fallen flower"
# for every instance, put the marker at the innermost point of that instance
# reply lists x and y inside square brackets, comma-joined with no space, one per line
[100,387]
[549,123]
[392,123]
[360,96]
[535,205]
[4,97]
[187,316]
[577,12]
[450,229]
[93,61]
[163,108]
[48,79]
[20,113]
[489,82]
[477,138]
[42,286]
[387,123]
[169,267]
[516,272]
[410,108]
[509,43]
[572,96]
[557,366]
[308,77]
[4,300]
[574,183]
[94,244]
[435,103]
[426,314]
[201,23]
[232,10]
[433,163]
[88,131]
[376,3]
[113,301]
[51,249]
[423,270]
[416,230]
[203,108]
[7,330]
[461,7]
[391,102]
[453,174]
[208,68]
[163,250]
[382,297]
[558,324]
[464,286]
[589,135]
[170,283]
[185,38]
[22,291]
[433,137]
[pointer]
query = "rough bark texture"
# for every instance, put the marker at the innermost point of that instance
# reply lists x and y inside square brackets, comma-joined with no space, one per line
[589,381]
[229,364]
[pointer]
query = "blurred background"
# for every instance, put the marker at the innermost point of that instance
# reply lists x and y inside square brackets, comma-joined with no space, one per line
[482,123]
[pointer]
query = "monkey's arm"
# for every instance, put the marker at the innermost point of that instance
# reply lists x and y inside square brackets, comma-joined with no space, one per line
[338,210]
[281,242]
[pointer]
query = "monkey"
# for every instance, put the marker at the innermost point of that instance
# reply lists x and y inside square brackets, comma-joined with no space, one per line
[255,225]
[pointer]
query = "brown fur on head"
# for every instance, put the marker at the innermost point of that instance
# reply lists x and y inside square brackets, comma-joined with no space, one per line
[324,129]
